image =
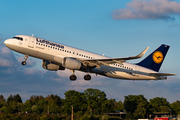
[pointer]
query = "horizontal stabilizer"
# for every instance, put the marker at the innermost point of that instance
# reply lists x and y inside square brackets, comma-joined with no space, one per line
[161,74]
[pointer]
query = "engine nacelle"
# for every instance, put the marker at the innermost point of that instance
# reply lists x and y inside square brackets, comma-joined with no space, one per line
[51,66]
[72,64]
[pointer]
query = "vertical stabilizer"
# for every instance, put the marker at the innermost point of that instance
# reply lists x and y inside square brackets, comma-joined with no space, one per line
[155,59]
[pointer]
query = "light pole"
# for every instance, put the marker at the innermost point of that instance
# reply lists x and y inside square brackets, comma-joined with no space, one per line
[72,112]
[48,110]
[170,112]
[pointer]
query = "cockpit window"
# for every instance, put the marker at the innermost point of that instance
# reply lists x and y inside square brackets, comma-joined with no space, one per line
[19,38]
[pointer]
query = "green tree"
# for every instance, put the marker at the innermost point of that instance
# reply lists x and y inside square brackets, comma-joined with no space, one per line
[35,99]
[118,106]
[95,99]
[2,101]
[54,103]
[10,99]
[159,104]
[76,99]
[17,98]
[175,106]
[141,110]
[41,106]
[27,106]
[133,104]
[108,106]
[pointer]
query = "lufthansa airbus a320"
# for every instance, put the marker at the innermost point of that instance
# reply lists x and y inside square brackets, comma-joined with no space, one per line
[57,56]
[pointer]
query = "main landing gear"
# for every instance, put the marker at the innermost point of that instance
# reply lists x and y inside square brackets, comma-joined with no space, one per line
[73,77]
[25,58]
[87,77]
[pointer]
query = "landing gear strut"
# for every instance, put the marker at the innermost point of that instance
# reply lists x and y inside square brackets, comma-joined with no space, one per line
[73,77]
[25,58]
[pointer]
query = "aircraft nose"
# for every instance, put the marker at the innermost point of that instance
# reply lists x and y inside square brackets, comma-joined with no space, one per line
[7,42]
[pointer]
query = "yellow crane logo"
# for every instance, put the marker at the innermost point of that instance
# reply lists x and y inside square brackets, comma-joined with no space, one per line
[158,57]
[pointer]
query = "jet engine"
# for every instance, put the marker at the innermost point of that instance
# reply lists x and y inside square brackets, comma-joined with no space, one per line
[72,64]
[51,66]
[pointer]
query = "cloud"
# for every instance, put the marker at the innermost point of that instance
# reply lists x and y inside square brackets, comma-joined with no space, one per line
[4,88]
[7,59]
[174,25]
[151,9]
[39,91]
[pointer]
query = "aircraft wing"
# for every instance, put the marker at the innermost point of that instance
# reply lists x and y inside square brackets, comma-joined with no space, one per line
[98,62]
[161,74]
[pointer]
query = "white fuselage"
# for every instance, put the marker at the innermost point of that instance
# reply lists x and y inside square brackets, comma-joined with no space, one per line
[51,51]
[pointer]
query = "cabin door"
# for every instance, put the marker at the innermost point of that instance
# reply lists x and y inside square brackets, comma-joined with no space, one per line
[31,42]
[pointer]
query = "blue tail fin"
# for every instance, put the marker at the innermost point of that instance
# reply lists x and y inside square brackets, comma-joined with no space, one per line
[155,59]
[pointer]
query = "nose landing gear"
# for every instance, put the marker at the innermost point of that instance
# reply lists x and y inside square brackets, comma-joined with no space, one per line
[25,58]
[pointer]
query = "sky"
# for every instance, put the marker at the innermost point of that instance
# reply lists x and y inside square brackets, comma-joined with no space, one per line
[116,28]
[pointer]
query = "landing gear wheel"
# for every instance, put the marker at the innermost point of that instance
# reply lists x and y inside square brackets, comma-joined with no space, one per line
[23,63]
[87,77]
[72,77]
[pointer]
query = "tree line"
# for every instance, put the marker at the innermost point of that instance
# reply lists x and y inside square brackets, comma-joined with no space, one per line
[91,102]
